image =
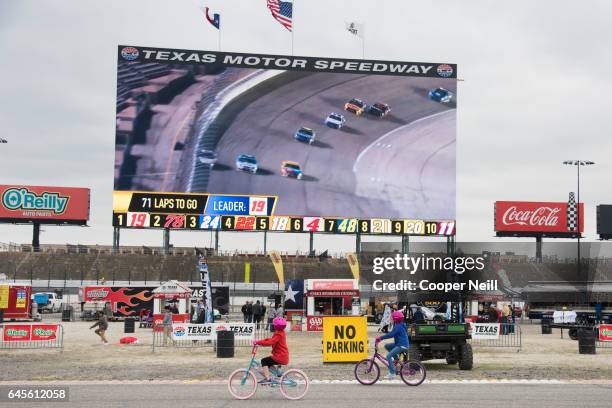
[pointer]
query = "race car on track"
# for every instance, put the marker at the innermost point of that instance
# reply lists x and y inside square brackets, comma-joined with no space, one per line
[306,135]
[207,157]
[440,95]
[357,106]
[246,162]
[291,169]
[379,109]
[335,120]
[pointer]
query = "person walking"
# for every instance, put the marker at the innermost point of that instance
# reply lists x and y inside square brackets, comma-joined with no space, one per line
[249,311]
[504,318]
[271,316]
[167,323]
[257,313]
[243,309]
[102,324]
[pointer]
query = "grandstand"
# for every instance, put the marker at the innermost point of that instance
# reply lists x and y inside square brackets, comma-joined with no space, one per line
[79,263]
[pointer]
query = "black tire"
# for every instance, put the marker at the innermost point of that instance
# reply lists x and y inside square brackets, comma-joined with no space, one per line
[378,318]
[573,334]
[450,360]
[466,357]
[414,353]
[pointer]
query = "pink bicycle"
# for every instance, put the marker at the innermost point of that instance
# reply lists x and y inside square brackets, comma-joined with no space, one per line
[367,371]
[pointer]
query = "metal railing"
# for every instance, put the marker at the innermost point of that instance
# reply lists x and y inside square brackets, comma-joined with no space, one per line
[8,330]
[163,339]
[510,336]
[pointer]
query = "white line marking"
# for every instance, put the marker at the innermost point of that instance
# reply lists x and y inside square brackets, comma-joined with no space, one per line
[377,142]
[316,382]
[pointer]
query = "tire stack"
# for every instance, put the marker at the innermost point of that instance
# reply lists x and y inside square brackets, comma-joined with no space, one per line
[586,341]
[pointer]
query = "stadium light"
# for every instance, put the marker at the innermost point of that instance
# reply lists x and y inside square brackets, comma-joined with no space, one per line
[578,164]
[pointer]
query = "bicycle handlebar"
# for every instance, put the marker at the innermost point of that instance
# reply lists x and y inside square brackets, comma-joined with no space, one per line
[254,349]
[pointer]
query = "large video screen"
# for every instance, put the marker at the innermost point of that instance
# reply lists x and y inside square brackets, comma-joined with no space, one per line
[278,136]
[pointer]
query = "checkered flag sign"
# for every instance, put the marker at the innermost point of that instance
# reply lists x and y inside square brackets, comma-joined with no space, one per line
[572,213]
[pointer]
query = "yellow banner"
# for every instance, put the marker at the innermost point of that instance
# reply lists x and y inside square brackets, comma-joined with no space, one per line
[277,261]
[353,262]
[4,296]
[247,272]
[345,339]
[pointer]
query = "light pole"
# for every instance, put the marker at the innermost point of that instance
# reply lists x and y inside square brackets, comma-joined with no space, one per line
[578,164]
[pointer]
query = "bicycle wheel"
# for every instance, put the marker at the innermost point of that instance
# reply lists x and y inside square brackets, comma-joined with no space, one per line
[294,384]
[413,372]
[242,384]
[367,371]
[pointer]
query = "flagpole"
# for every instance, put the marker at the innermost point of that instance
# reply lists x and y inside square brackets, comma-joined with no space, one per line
[219,39]
[362,48]
[292,27]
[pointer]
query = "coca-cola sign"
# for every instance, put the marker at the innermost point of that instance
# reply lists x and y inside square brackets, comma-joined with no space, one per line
[538,217]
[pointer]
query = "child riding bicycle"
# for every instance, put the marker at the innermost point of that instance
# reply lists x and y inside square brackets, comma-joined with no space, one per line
[280,352]
[400,344]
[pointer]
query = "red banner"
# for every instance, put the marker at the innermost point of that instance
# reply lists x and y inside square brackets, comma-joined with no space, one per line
[540,217]
[605,332]
[44,331]
[19,202]
[328,284]
[17,332]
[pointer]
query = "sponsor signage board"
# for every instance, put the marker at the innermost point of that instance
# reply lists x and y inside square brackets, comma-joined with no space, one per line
[44,204]
[485,331]
[208,331]
[605,332]
[544,218]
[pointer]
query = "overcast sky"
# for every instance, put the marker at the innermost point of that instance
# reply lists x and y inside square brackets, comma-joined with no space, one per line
[535,92]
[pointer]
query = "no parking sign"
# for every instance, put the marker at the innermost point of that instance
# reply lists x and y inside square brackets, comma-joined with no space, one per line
[345,339]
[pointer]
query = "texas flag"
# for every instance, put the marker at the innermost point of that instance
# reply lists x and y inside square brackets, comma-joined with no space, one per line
[215,20]
[294,294]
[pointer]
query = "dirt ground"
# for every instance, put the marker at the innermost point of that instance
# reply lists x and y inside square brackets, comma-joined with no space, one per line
[85,358]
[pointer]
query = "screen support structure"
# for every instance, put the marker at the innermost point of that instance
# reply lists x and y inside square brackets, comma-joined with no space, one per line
[311,244]
[36,236]
[539,249]
[166,241]
[405,244]
[216,242]
[265,248]
[116,239]
[357,243]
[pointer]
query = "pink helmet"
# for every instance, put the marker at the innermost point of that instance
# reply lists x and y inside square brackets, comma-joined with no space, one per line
[397,316]
[279,323]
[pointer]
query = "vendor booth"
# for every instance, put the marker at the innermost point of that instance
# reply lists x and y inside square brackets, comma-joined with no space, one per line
[174,295]
[330,297]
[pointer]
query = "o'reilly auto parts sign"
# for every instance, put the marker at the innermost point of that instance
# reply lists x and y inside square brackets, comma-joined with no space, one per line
[208,331]
[19,203]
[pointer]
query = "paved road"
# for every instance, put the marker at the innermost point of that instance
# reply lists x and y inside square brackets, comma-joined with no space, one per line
[345,395]
[333,185]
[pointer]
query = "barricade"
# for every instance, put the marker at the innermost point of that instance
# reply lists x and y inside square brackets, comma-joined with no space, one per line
[31,336]
[162,338]
[496,335]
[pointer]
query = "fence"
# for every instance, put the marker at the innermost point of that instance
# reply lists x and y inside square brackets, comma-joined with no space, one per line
[31,336]
[162,339]
[509,335]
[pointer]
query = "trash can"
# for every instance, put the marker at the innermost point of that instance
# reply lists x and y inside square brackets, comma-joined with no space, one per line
[225,344]
[129,325]
[67,314]
[586,341]
[546,329]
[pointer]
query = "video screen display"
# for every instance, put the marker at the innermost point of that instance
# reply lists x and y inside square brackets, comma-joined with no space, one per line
[310,137]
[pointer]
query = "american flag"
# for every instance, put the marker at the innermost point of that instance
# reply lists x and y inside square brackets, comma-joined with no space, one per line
[282,11]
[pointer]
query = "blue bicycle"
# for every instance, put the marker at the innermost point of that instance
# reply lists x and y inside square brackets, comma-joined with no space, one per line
[242,383]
